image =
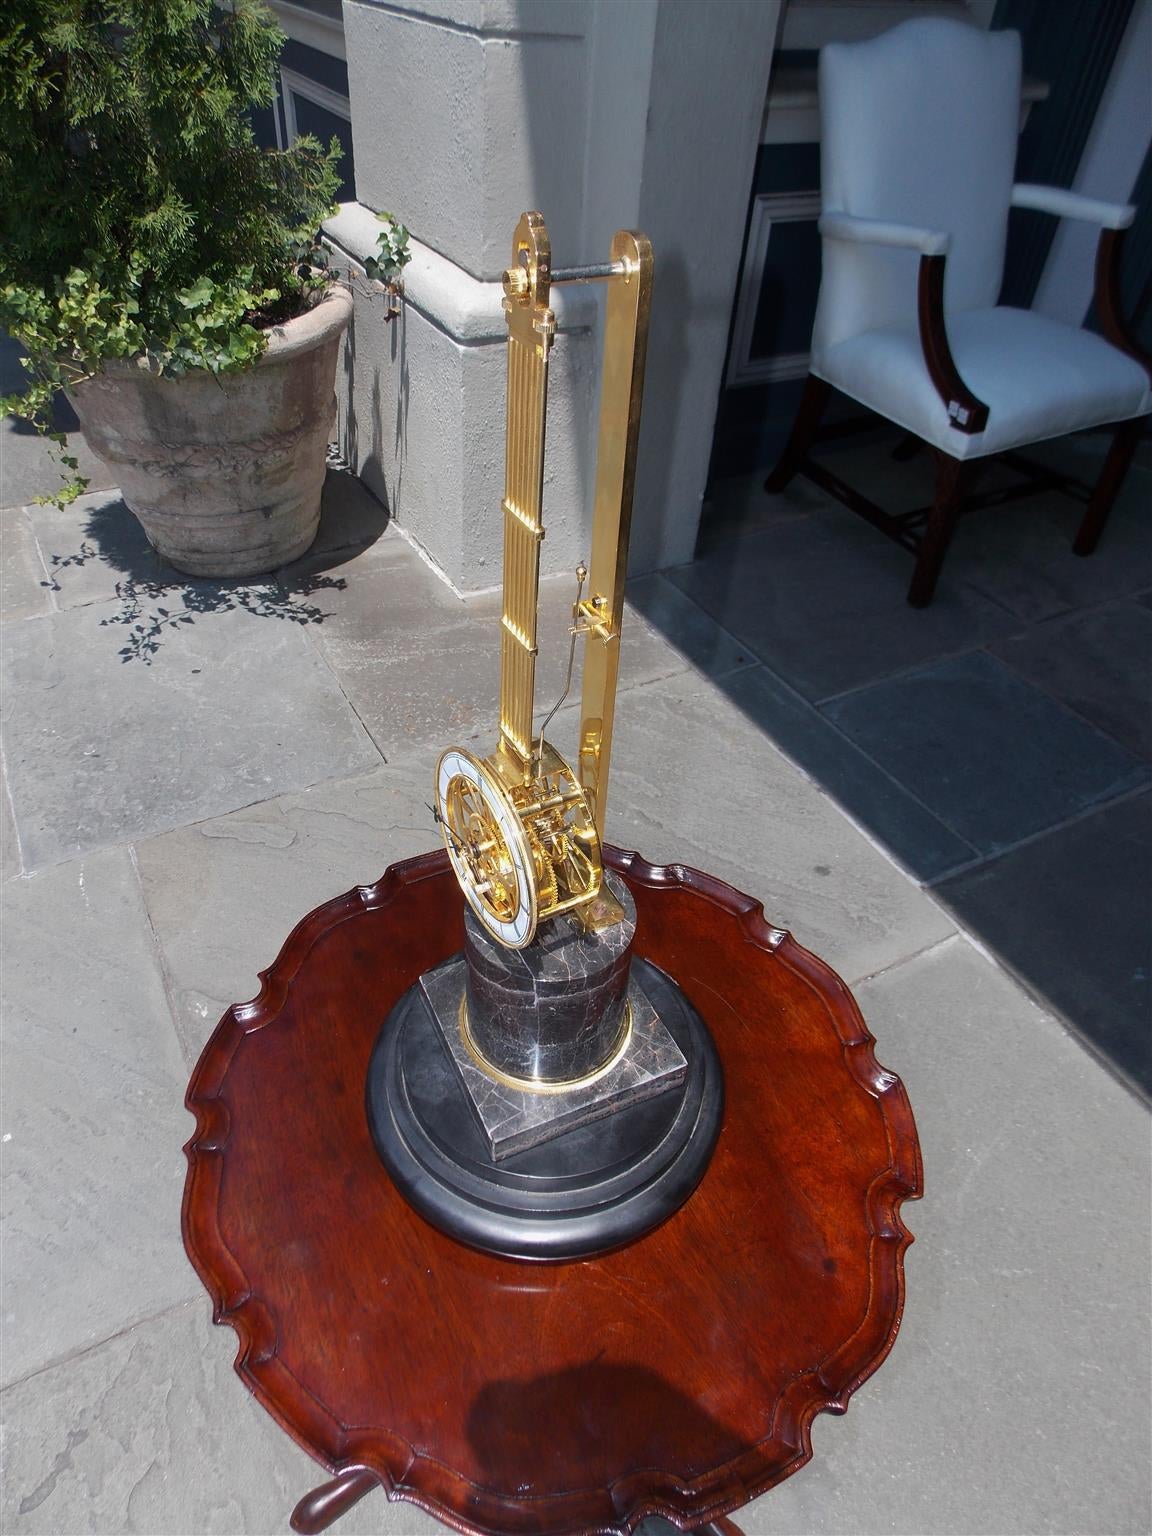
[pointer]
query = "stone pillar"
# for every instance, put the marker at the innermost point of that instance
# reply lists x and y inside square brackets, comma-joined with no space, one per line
[603,114]
[422,410]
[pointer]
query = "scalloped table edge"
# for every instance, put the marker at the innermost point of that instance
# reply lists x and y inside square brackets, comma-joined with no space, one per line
[362,1459]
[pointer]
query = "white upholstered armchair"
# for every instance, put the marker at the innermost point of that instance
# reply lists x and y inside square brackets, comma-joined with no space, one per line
[918,132]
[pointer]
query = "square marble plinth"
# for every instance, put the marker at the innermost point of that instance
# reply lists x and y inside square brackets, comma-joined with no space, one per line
[513,1120]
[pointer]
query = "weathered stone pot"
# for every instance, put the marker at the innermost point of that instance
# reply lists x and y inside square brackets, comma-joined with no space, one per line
[225,471]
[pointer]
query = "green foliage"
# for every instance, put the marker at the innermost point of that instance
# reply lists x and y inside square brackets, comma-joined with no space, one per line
[392,253]
[138,216]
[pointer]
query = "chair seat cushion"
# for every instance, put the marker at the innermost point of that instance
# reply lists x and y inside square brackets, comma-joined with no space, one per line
[1038,377]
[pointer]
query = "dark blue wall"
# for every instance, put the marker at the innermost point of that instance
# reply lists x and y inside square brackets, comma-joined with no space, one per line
[310,117]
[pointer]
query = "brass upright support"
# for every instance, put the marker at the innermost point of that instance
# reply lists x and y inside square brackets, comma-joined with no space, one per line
[531,328]
[629,304]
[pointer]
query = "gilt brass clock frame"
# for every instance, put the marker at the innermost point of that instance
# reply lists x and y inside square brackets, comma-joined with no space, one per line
[523,828]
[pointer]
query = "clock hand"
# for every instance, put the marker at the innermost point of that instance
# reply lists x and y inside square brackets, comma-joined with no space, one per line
[448,832]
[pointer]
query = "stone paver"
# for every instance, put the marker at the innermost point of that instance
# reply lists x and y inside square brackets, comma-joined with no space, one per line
[995,758]
[1018,555]
[693,781]
[742,506]
[420,665]
[1016,1398]
[350,516]
[23,583]
[29,465]
[820,600]
[808,865]
[232,708]
[1098,662]
[1021,555]
[1017,733]
[1072,913]
[697,636]
[94,548]
[152,1435]
[92,1115]
[920,840]
[223,895]
[9,846]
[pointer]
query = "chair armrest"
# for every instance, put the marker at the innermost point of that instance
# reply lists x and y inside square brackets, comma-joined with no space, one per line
[1107,298]
[967,413]
[845,226]
[1114,220]
[1071,205]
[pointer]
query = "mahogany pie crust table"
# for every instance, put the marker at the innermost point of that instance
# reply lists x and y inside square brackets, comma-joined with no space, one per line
[677,1376]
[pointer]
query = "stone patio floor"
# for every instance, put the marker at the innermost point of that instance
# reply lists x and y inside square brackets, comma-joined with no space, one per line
[997,743]
[940,804]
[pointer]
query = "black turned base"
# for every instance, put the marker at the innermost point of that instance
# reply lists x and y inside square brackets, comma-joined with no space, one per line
[585,1192]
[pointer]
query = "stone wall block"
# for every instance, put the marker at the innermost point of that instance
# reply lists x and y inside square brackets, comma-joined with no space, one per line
[422,422]
[458,128]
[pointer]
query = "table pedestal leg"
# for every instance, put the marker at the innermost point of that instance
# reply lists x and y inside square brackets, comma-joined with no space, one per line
[317,1510]
[656,1525]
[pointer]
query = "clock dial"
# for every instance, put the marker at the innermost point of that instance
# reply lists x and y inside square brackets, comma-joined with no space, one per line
[488,846]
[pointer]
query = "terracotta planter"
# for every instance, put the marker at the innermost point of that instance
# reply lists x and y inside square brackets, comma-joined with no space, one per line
[225,471]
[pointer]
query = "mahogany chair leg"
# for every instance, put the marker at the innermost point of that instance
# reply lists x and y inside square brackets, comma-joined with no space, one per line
[812,404]
[1124,441]
[319,1509]
[950,476]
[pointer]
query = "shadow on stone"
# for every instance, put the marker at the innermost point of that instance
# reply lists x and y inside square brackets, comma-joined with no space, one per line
[155,599]
[112,536]
[150,610]
[1068,915]
[996,744]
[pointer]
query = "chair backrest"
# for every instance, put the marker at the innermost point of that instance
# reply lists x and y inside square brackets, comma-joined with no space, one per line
[918,126]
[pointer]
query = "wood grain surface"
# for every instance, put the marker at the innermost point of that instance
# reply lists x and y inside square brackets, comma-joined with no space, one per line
[678,1376]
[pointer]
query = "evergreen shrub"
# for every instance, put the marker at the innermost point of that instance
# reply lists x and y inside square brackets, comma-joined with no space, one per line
[138,215]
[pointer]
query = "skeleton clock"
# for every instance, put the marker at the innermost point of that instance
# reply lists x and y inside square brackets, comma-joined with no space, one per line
[547,1093]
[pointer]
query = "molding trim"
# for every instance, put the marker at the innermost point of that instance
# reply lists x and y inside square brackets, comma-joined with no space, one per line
[471,312]
[792,110]
[776,370]
[547,19]
[812,23]
[768,208]
[293,84]
[314,30]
